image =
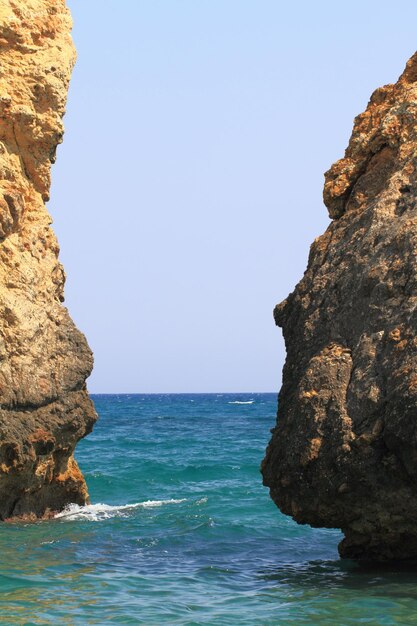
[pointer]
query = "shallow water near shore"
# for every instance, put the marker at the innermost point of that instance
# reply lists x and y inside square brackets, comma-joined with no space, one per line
[181,531]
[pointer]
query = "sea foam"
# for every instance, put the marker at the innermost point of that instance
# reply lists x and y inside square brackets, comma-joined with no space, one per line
[100,512]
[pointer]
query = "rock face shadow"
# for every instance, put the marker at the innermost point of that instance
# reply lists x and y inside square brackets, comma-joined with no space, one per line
[344,450]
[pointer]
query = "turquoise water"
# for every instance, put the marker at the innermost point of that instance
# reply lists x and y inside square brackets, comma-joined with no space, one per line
[181,531]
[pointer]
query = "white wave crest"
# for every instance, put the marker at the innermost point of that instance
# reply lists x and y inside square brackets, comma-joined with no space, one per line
[239,402]
[100,512]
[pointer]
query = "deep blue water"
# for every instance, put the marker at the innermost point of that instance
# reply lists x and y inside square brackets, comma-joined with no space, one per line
[182,532]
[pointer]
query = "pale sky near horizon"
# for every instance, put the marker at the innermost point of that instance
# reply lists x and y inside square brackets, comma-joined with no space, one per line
[188,187]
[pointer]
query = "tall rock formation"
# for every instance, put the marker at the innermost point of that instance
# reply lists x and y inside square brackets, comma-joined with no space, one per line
[344,450]
[44,359]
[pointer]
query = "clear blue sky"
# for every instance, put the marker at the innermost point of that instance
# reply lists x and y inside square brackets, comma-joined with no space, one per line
[188,188]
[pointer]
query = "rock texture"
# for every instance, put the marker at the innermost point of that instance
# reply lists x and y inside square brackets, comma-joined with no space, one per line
[344,451]
[44,359]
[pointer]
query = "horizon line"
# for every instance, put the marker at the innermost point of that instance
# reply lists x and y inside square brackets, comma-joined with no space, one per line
[175,393]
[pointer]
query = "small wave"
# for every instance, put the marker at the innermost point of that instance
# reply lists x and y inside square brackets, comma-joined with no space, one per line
[241,402]
[99,512]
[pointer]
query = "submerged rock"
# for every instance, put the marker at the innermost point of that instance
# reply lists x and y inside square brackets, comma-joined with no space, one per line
[44,359]
[344,451]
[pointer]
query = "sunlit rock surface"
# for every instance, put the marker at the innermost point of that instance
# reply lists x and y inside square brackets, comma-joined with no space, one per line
[44,359]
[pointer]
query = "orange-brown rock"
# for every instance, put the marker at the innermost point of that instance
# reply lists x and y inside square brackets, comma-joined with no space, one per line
[44,359]
[344,450]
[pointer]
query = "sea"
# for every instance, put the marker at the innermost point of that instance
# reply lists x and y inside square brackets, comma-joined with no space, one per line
[181,532]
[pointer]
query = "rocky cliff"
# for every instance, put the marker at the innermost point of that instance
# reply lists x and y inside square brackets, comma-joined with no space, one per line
[44,359]
[344,450]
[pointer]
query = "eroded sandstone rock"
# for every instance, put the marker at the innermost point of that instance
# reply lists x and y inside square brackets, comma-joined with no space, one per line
[344,451]
[44,359]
